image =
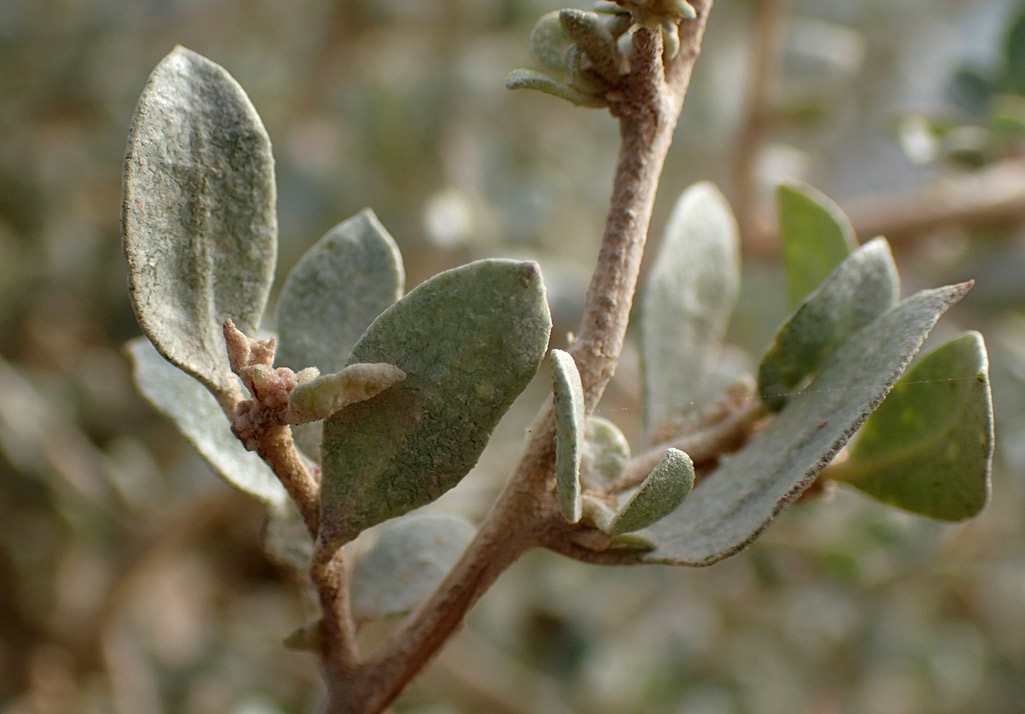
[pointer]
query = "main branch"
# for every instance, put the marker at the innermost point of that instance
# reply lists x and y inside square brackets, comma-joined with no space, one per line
[647,104]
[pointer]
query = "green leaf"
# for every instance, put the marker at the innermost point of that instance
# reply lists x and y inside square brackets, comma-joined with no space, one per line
[406,564]
[569,432]
[200,420]
[349,277]
[816,237]
[929,447]
[605,456]
[691,291]
[548,44]
[469,341]
[661,493]
[321,397]
[864,287]
[733,506]
[198,219]
[529,79]
[1014,55]
[589,31]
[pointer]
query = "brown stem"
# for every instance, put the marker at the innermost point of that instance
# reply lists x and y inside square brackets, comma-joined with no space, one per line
[275,446]
[648,105]
[338,633]
[652,97]
[509,530]
[702,446]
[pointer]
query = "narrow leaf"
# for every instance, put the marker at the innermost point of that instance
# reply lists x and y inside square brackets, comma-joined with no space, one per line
[406,564]
[605,456]
[200,420]
[864,287]
[661,493]
[590,33]
[816,237]
[529,79]
[349,277]
[321,397]
[691,291]
[929,446]
[732,507]
[469,341]
[198,219]
[569,432]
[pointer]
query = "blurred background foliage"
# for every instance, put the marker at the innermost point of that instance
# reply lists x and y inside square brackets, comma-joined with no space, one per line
[131,580]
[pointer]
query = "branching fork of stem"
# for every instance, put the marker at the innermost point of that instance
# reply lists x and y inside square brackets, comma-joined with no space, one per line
[647,103]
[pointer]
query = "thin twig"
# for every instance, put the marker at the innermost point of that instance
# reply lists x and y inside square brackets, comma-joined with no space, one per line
[702,446]
[276,447]
[338,631]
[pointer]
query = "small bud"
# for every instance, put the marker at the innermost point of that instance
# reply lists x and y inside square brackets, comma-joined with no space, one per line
[307,375]
[238,346]
[262,351]
[321,397]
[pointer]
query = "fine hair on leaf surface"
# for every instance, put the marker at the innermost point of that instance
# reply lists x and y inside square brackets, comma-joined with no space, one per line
[400,393]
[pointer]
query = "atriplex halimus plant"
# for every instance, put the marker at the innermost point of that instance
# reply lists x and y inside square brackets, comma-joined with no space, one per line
[393,397]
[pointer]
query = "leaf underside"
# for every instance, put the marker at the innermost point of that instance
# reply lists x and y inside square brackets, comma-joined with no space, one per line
[407,562]
[732,507]
[570,421]
[348,278]
[929,446]
[469,341]
[690,294]
[199,418]
[861,289]
[605,456]
[198,214]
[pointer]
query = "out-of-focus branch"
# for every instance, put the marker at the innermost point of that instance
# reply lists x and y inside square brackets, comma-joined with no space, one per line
[991,197]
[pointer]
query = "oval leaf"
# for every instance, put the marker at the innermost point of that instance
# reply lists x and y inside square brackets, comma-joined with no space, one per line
[335,291]
[406,564]
[549,42]
[864,287]
[732,507]
[198,220]
[200,420]
[816,237]
[606,454]
[691,291]
[469,341]
[569,432]
[929,447]
[661,493]
[321,397]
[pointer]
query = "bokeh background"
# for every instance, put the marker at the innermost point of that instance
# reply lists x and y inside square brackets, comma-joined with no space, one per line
[132,580]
